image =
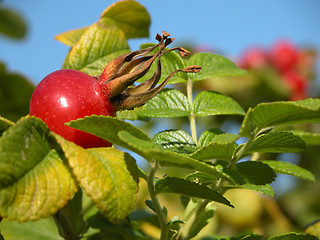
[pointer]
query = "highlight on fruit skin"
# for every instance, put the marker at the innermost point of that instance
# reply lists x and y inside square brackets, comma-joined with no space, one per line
[66,95]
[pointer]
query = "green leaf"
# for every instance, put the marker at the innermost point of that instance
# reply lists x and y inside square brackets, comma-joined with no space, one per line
[201,177]
[107,127]
[168,103]
[170,62]
[216,145]
[314,229]
[31,173]
[256,172]
[208,136]
[213,65]
[201,221]
[101,42]
[152,151]
[191,189]
[215,150]
[5,124]
[294,236]
[175,140]
[131,115]
[263,189]
[277,142]
[208,103]
[308,137]
[279,113]
[290,169]
[247,127]
[35,230]
[12,24]
[107,177]
[15,94]
[130,16]
[250,237]
[70,38]
[71,218]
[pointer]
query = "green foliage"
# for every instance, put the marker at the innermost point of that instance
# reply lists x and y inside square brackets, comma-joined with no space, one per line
[31,168]
[176,141]
[191,189]
[45,178]
[108,181]
[34,230]
[15,94]
[12,24]
[266,115]
[294,236]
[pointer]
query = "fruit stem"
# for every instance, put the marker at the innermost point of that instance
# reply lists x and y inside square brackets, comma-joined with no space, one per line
[157,207]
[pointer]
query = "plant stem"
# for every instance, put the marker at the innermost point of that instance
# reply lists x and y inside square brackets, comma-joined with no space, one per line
[161,216]
[192,117]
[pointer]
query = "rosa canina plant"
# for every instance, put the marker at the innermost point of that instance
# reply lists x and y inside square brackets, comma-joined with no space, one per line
[61,178]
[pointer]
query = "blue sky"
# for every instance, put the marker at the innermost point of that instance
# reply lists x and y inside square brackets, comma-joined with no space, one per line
[228,26]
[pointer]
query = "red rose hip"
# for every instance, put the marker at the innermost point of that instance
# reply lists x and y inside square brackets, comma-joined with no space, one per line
[66,95]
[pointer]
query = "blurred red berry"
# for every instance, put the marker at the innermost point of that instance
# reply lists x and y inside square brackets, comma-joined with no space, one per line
[297,84]
[255,57]
[284,56]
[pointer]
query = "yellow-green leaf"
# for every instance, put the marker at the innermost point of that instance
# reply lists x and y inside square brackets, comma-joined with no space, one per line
[107,175]
[70,38]
[93,49]
[34,181]
[40,193]
[130,16]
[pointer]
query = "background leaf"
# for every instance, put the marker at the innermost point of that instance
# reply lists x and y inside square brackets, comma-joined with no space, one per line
[15,94]
[35,230]
[12,24]
[191,189]
[212,65]
[209,103]
[104,175]
[175,140]
[34,181]
[294,236]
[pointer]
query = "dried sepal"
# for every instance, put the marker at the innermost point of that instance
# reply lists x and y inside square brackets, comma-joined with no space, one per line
[121,73]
